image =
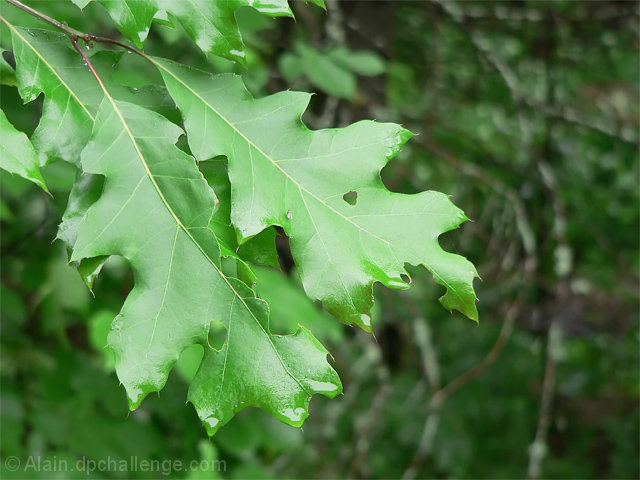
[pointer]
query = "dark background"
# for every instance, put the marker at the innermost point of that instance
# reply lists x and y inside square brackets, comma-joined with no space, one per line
[527,113]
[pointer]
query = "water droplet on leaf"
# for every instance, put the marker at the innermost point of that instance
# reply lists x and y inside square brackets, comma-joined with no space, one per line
[211,421]
[292,415]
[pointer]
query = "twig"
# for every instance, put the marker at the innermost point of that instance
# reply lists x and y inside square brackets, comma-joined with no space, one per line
[424,339]
[439,397]
[494,353]
[370,357]
[334,24]
[538,449]
[426,443]
[365,435]
[563,267]
[522,222]
[77,34]
[431,368]
[95,38]
[74,41]
[72,32]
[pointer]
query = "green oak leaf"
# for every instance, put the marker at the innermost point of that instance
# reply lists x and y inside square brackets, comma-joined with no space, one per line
[85,192]
[154,211]
[260,249]
[324,189]
[17,154]
[210,24]
[133,17]
[72,97]
[46,63]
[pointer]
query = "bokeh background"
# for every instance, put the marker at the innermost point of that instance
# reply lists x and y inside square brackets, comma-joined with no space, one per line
[527,114]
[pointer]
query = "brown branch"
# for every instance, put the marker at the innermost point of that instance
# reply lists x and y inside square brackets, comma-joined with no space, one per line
[494,353]
[72,32]
[439,397]
[77,34]
[95,38]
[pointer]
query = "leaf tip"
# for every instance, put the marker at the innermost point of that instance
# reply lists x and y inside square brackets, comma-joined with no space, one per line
[211,424]
[363,321]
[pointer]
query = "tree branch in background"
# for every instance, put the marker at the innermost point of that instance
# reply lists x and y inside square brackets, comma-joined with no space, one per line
[510,80]
[423,339]
[563,257]
[439,397]
[529,244]
[538,449]
[365,435]
[522,222]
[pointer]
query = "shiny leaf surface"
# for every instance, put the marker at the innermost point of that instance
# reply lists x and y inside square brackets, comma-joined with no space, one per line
[260,249]
[323,187]
[210,24]
[133,17]
[46,63]
[155,211]
[17,154]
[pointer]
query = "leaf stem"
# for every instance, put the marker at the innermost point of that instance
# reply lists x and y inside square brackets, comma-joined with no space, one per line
[74,41]
[95,38]
[75,34]
[72,32]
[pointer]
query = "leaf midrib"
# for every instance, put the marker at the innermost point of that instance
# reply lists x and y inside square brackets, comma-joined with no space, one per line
[186,231]
[265,155]
[284,172]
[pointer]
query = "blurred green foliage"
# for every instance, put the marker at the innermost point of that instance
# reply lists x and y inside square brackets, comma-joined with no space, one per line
[527,113]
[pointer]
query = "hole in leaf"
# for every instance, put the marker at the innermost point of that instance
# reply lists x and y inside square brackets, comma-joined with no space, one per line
[189,361]
[285,258]
[350,197]
[405,278]
[217,334]
[116,275]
